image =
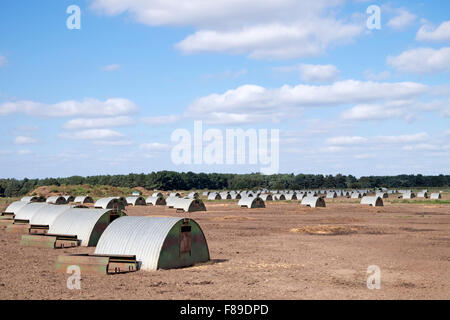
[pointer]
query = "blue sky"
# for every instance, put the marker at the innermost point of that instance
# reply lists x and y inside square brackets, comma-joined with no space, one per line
[106,98]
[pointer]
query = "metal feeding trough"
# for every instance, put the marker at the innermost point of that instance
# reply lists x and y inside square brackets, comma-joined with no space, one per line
[52,241]
[97,263]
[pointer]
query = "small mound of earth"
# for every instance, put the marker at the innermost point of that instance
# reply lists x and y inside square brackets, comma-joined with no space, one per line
[338,230]
[326,230]
[233,218]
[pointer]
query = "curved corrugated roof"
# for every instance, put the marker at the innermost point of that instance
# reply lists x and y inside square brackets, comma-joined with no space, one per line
[54,199]
[77,221]
[135,200]
[28,199]
[155,200]
[82,199]
[313,201]
[375,201]
[139,236]
[48,214]
[28,211]
[15,206]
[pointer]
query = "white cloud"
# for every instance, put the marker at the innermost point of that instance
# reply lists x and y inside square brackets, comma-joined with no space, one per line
[318,73]
[3,61]
[24,152]
[407,138]
[93,134]
[422,60]
[87,107]
[377,140]
[372,112]
[383,75]
[111,67]
[228,74]
[161,120]
[260,29]
[428,33]
[402,20]
[346,140]
[421,147]
[154,147]
[24,140]
[89,123]
[115,143]
[272,41]
[251,103]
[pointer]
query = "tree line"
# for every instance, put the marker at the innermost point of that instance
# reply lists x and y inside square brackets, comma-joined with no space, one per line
[171,180]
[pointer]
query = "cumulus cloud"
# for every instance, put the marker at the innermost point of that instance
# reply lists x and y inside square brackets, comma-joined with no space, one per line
[422,60]
[313,72]
[89,123]
[114,143]
[346,140]
[403,19]
[154,147]
[429,33]
[93,134]
[86,107]
[161,120]
[111,67]
[406,138]
[24,152]
[378,140]
[24,140]
[260,29]
[3,61]
[364,112]
[252,103]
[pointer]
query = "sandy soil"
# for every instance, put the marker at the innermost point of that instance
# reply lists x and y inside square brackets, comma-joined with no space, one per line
[281,252]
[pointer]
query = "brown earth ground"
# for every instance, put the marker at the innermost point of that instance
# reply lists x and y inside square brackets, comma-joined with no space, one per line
[283,251]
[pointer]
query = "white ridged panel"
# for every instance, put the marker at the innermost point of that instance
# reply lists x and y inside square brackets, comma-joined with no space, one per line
[48,214]
[77,222]
[27,212]
[15,206]
[139,236]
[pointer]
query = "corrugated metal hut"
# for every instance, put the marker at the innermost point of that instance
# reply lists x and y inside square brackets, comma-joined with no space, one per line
[157,242]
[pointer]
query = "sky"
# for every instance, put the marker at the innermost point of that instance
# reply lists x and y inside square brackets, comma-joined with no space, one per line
[106,98]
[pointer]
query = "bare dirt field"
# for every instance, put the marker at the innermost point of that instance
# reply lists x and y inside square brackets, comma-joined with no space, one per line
[283,251]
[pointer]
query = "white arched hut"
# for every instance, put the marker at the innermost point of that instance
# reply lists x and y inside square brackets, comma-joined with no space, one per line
[136,201]
[356,195]
[382,195]
[157,194]
[111,203]
[290,196]
[435,196]
[266,197]
[188,205]
[408,195]
[56,200]
[155,201]
[157,242]
[43,218]
[278,196]
[23,216]
[313,202]
[375,201]
[83,199]
[422,194]
[33,199]
[251,202]
[11,210]
[214,196]
[331,195]
[74,227]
